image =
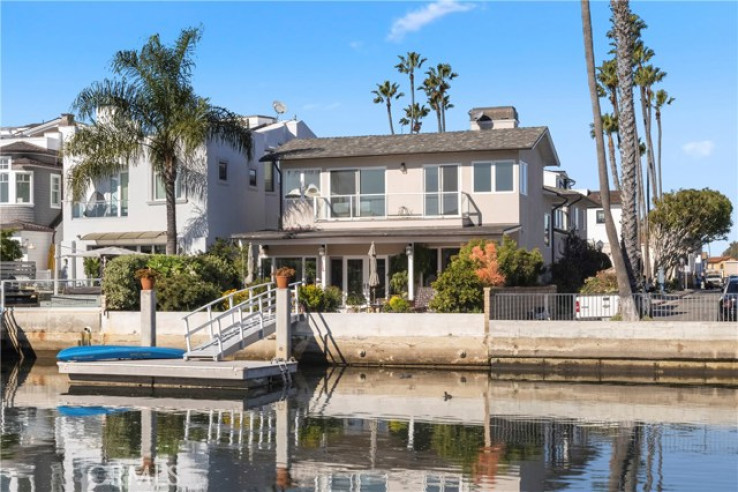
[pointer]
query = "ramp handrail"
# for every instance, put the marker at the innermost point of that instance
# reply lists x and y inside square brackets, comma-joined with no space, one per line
[264,302]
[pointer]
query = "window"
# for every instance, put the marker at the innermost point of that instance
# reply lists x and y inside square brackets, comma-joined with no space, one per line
[523,178]
[547,229]
[4,188]
[4,163]
[442,190]
[357,193]
[600,216]
[160,193]
[55,186]
[497,177]
[22,187]
[301,182]
[223,171]
[15,186]
[252,177]
[575,214]
[269,176]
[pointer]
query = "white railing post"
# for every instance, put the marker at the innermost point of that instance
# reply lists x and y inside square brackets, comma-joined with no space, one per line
[187,334]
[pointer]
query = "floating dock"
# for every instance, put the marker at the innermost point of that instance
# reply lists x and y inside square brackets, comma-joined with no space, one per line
[181,373]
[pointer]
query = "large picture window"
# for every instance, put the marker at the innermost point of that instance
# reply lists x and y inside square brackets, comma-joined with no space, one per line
[357,193]
[442,190]
[494,176]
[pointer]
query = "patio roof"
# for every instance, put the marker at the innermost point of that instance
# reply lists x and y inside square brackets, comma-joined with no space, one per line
[130,237]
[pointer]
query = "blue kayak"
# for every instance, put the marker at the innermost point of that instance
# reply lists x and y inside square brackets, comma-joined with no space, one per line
[115,352]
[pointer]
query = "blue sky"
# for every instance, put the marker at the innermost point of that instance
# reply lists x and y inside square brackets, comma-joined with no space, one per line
[323,59]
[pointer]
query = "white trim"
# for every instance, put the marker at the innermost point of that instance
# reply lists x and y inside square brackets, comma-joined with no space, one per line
[52,179]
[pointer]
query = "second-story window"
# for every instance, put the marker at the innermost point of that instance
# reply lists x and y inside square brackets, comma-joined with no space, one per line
[357,193]
[442,190]
[269,176]
[55,186]
[15,186]
[223,171]
[160,193]
[23,189]
[494,177]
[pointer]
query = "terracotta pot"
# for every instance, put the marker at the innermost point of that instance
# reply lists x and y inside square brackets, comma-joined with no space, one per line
[147,283]
[282,282]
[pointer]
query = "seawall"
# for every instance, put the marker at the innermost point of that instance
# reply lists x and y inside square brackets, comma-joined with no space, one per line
[644,349]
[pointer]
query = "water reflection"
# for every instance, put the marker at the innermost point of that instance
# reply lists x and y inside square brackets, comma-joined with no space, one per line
[373,430]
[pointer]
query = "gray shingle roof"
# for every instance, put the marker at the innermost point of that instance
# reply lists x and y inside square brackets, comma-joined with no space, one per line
[422,143]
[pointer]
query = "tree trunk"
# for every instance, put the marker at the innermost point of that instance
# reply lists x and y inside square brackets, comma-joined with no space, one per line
[624,290]
[412,101]
[440,123]
[629,150]
[645,109]
[389,115]
[613,162]
[658,124]
[170,177]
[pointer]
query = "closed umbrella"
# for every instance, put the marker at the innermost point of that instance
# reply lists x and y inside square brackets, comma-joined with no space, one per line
[250,264]
[373,276]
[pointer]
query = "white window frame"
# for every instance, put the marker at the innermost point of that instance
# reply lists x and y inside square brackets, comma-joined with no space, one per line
[6,163]
[357,178]
[493,177]
[5,178]
[302,173]
[14,187]
[458,188]
[55,186]
[178,196]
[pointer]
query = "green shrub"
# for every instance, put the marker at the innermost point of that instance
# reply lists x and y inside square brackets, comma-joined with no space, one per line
[458,289]
[10,249]
[579,262]
[398,282]
[604,282]
[520,267]
[119,286]
[316,299]
[216,270]
[355,299]
[332,297]
[182,292]
[398,304]
[92,267]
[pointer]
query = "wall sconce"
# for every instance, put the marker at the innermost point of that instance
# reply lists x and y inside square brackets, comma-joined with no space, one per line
[321,250]
[409,249]
[263,250]
[403,168]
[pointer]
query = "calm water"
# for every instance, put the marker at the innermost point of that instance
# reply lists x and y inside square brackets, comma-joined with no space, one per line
[368,430]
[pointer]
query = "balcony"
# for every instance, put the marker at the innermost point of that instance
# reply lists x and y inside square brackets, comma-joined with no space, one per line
[99,208]
[385,206]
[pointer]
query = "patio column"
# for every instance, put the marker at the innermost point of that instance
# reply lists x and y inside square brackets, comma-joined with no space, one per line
[322,269]
[409,250]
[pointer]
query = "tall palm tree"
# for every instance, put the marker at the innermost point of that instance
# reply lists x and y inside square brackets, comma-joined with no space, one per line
[629,155]
[607,76]
[430,87]
[645,77]
[442,74]
[150,111]
[624,289]
[609,127]
[662,98]
[407,65]
[384,93]
[414,113]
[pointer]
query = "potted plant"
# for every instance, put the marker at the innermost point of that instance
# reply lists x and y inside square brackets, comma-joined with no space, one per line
[147,276]
[283,275]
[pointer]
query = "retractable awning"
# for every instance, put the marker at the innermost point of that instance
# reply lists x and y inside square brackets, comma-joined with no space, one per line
[132,238]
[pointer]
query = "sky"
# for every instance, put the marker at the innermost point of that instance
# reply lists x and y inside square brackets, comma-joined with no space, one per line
[323,59]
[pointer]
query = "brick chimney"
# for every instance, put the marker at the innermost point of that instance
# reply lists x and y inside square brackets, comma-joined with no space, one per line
[66,119]
[493,118]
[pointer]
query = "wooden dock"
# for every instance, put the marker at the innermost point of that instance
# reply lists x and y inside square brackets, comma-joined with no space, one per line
[181,373]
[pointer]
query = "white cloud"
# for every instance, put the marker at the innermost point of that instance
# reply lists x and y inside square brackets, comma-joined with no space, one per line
[699,149]
[417,19]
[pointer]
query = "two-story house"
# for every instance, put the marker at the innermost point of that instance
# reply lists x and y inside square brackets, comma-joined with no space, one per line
[231,194]
[438,190]
[31,187]
[569,210]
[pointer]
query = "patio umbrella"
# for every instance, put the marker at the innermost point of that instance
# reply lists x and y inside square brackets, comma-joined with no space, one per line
[250,264]
[108,251]
[373,276]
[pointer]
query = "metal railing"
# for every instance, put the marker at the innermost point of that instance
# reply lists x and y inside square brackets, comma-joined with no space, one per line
[680,306]
[45,292]
[100,208]
[387,205]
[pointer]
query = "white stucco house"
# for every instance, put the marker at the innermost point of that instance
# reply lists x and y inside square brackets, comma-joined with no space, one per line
[31,187]
[435,190]
[238,194]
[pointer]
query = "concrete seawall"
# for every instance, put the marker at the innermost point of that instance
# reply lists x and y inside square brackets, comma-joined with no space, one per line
[431,339]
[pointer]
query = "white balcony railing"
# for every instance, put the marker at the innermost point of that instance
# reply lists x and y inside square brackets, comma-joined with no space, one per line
[100,208]
[381,206]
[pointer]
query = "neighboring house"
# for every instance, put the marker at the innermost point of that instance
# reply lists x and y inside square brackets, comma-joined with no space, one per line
[724,265]
[31,187]
[569,210]
[438,190]
[232,194]
[596,233]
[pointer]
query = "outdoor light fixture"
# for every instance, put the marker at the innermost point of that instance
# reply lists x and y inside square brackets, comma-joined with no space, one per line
[409,249]
[403,168]
[321,250]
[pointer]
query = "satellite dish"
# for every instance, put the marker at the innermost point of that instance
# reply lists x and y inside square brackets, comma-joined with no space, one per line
[312,191]
[279,107]
[293,193]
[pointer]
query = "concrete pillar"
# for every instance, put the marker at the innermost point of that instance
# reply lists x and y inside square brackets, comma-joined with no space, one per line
[74,260]
[148,318]
[410,273]
[148,441]
[284,331]
[282,454]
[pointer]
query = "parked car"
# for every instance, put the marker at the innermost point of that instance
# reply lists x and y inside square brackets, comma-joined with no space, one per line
[728,303]
[713,281]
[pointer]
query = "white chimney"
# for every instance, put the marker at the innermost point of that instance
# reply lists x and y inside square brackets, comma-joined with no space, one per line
[493,118]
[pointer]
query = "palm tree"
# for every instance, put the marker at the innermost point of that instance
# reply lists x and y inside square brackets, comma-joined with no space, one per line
[645,77]
[384,93]
[150,111]
[624,289]
[408,65]
[609,127]
[607,76]
[430,87]
[414,113]
[629,157]
[438,78]
[662,98]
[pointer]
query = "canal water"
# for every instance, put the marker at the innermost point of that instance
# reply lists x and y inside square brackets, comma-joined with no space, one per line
[367,430]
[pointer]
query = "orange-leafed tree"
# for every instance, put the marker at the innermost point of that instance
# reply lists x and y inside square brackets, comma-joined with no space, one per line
[486,266]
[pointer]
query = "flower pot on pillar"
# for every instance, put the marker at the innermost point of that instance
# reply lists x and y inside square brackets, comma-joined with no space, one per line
[282,281]
[283,276]
[147,276]
[147,283]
